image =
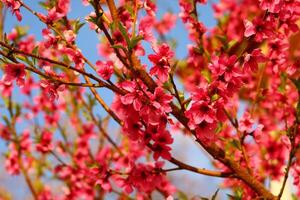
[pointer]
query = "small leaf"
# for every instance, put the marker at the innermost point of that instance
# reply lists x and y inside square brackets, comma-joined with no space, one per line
[117,46]
[35,52]
[124,33]
[91,100]
[6,120]
[182,195]
[92,19]
[215,97]
[44,5]
[232,43]
[236,144]
[77,25]
[18,110]
[219,127]
[294,197]
[232,197]
[238,195]
[296,83]
[134,41]
[206,75]
[283,79]
[26,60]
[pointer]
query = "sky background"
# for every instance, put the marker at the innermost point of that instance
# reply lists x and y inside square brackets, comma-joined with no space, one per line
[186,149]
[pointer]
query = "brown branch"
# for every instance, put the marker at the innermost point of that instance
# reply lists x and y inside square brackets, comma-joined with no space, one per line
[82,72]
[177,93]
[28,180]
[103,104]
[34,70]
[17,142]
[113,10]
[292,153]
[101,129]
[241,137]
[202,171]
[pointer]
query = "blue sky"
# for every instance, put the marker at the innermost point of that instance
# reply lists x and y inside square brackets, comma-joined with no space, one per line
[87,41]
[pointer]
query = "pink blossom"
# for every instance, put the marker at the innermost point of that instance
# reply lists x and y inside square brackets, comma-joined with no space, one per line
[51,89]
[252,60]
[161,100]
[162,151]
[133,97]
[261,29]
[105,69]
[163,138]
[12,161]
[15,7]
[272,6]
[145,29]
[13,34]
[44,145]
[14,72]
[199,112]
[225,67]
[50,39]
[85,2]
[205,132]
[166,23]
[150,7]
[160,60]
[246,123]
[69,35]
[6,88]
[25,142]
[250,29]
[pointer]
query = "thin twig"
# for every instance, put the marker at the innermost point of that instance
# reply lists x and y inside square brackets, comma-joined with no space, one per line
[241,137]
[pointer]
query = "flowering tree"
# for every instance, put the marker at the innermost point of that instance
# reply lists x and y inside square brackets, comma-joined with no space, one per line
[252,55]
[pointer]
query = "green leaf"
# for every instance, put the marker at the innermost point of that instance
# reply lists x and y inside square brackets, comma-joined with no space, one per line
[91,100]
[35,52]
[232,197]
[238,195]
[18,110]
[182,195]
[22,30]
[117,46]
[181,95]
[236,144]
[134,41]
[296,83]
[26,60]
[232,43]
[123,31]
[214,97]
[92,19]
[44,5]
[283,79]
[294,197]
[206,74]
[77,25]
[6,120]
[219,127]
